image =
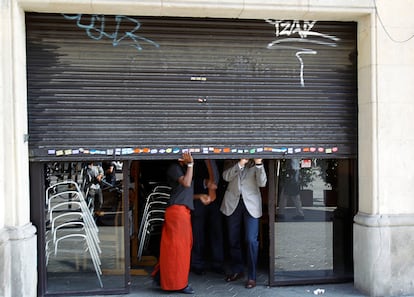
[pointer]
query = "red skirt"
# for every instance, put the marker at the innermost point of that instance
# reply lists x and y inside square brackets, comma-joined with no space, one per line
[175,249]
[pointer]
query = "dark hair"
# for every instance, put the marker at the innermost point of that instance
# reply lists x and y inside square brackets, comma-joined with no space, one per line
[251,163]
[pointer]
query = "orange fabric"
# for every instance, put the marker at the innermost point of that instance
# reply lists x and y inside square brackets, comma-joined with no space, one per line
[175,250]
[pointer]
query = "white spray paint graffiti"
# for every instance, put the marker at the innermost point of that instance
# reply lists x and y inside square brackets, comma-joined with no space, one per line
[286,32]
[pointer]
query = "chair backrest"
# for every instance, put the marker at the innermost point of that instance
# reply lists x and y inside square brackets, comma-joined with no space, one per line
[162,189]
[64,196]
[65,217]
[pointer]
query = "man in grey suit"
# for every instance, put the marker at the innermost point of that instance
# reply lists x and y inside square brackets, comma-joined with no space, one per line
[242,203]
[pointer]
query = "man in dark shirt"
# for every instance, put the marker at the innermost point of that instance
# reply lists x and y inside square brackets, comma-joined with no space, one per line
[176,237]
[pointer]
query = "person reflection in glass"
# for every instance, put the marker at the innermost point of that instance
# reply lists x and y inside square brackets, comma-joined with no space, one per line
[290,189]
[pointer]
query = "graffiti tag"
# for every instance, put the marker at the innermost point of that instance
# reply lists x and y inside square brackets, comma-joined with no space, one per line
[293,34]
[95,27]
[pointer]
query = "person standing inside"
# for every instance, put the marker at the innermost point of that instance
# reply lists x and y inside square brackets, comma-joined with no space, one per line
[92,181]
[242,205]
[176,238]
[110,173]
[207,220]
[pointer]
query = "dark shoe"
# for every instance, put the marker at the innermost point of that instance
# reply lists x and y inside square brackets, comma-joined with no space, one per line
[234,276]
[198,271]
[299,218]
[250,284]
[187,290]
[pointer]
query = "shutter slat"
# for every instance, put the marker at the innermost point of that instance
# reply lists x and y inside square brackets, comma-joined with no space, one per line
[85,92]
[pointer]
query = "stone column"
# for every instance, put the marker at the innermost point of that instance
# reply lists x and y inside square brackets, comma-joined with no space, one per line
[383,254]
[5,270]
[23,255]
[18,259]
[384,226]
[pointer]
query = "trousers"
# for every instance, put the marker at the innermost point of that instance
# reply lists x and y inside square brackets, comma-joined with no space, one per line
[240,225]
[207,223]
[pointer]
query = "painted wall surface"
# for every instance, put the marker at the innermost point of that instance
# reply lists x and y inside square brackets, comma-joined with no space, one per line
[386,141]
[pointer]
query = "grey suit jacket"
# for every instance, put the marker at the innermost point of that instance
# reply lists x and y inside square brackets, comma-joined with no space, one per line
[248,186]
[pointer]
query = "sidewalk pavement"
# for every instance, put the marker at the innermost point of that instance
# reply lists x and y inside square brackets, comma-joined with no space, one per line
[212,284]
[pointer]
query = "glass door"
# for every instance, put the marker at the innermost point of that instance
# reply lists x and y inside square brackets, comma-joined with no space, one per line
[316,202]
[83,227]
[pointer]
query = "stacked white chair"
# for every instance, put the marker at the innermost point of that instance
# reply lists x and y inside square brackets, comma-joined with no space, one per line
[70,221]
[153,216]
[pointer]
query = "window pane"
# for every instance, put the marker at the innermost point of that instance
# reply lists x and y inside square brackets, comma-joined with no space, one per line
[84,224]
[313,227]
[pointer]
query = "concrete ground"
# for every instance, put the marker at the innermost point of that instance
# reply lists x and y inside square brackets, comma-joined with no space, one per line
[212,284]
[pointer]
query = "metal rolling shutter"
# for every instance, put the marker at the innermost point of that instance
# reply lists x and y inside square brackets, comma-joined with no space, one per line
[136,86]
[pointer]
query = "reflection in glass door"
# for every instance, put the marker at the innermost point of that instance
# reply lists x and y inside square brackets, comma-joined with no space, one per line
[84,226]
[313,222]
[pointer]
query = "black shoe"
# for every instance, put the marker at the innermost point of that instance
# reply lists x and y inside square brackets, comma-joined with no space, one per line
[187,290]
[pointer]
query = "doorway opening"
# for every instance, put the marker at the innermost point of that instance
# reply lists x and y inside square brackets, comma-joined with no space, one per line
[301,241]
[149,183]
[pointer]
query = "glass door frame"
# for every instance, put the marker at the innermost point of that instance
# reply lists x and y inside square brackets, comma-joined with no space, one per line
[273,193]
[37,217]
